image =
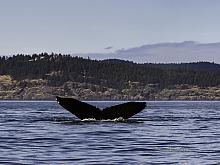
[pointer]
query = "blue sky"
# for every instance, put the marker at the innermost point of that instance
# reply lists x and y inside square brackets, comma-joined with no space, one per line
[82,26]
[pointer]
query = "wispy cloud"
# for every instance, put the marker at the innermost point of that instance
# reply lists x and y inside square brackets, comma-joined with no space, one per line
[109,47]
[175,52]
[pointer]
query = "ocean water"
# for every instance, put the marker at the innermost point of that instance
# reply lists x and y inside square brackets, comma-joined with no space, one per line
[164,133]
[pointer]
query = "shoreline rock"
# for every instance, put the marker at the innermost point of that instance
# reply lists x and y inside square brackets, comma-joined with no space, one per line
[38,89]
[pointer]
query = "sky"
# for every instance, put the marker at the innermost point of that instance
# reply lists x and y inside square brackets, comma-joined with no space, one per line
[89,26]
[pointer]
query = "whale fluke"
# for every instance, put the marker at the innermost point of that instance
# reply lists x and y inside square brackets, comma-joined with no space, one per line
[83,110]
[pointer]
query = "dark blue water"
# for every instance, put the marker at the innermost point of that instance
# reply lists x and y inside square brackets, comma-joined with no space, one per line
[164,133]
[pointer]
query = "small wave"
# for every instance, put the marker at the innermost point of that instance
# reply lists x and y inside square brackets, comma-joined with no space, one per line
[70,120]
[120,119]
[89,119]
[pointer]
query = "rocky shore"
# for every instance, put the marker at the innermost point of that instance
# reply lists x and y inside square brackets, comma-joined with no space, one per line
[38,89]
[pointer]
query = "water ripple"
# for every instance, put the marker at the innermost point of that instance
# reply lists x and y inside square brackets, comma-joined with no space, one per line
[165,133]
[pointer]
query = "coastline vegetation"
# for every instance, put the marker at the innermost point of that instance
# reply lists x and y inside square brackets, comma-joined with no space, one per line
[107,79]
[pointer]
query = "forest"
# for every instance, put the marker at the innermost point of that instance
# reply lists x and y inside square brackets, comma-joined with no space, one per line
[58,69]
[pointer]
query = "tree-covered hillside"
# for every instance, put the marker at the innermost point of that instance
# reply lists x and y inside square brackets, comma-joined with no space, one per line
[57,69]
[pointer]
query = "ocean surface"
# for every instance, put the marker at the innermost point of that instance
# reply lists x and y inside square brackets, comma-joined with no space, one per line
[164,133]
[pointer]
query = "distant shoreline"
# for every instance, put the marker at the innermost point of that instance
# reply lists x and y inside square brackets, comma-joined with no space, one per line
[45,76]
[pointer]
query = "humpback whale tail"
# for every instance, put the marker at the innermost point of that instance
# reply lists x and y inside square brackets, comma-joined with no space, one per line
[83,110]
